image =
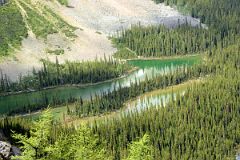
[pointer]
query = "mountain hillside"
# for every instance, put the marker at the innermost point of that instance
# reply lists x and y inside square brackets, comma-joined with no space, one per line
[77,30]
[166,86]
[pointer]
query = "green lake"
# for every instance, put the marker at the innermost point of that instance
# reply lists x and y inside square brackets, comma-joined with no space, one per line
[148,68]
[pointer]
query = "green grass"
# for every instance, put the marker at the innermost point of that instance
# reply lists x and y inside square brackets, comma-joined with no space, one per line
[16,17]
[38,24]
[43,21]
[12,28]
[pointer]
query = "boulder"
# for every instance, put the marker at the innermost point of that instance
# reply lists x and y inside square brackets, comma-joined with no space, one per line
[5,150]
[16,151]
[238,156]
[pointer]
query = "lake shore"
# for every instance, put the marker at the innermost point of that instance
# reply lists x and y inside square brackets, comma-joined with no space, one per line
[175,88]
[72,85]
[15,102]
[163,57]
[122,76]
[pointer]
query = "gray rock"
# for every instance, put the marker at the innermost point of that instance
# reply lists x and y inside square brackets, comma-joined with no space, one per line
[16,151]
[5,150]
[3,2]
[238,156]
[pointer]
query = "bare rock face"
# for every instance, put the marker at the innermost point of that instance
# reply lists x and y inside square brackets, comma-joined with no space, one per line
[5,150]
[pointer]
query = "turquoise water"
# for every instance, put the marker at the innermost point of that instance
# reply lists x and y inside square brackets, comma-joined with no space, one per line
[148,68]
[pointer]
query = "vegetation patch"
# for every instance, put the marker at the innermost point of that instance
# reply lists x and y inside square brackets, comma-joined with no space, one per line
[202,124]
[63,2]
[157,41]
[55,52]
[12,28]
[19,16]
[43,21]
[98,32]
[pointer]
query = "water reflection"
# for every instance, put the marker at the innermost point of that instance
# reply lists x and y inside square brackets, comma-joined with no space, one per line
[157,100]
[147,68]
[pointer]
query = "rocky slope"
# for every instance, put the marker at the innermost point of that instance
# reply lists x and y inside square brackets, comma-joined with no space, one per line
[95,20]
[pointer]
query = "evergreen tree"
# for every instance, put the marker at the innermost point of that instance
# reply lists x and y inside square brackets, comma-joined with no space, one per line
[141,150]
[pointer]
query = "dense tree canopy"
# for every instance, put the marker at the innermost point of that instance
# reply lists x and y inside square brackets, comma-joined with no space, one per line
[188,128]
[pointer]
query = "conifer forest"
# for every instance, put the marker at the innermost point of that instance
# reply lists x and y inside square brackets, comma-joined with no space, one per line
[164,93]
